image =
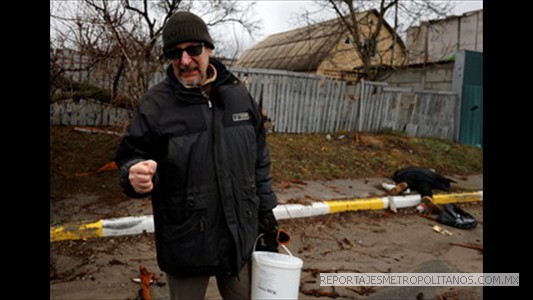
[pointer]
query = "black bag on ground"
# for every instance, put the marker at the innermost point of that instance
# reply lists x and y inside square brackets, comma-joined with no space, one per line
[453,215]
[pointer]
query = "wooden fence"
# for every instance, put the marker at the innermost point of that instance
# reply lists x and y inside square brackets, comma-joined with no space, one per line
[87,112]
[296,102]
[304,103]
[420,113]
[307,103]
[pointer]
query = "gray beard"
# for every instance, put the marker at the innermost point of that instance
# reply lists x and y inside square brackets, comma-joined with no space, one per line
[193,84]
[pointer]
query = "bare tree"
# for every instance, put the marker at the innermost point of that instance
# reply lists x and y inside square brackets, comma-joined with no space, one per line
[365,34]
[72,33]
[119,42]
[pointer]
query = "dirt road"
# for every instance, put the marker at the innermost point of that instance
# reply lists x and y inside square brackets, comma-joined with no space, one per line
[365,241]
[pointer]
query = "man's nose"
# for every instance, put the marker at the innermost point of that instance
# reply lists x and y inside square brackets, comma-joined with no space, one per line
[185,58]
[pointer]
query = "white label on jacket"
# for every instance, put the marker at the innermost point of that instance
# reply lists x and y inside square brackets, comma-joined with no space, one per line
[244,116]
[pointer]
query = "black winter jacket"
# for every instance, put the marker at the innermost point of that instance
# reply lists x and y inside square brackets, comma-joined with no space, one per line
[212,173]
[416,175]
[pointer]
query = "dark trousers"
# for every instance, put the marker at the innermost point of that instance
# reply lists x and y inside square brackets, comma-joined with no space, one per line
[192,288]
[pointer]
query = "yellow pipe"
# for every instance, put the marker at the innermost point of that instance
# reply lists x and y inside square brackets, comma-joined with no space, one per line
[453,198]
[355,204]
[76,231]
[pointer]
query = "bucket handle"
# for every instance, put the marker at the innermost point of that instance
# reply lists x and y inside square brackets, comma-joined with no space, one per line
[283,246]
[286,249]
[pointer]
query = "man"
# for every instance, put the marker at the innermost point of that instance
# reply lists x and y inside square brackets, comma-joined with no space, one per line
[197,145]
[422,180]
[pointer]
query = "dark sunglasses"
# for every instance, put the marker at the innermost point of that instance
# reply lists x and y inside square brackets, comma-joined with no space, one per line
[176,53]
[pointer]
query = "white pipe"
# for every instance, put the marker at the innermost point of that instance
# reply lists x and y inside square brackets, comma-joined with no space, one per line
[145,224]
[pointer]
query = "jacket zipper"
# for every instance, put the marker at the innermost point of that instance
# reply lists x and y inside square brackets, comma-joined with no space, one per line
[202,224]
[209,105]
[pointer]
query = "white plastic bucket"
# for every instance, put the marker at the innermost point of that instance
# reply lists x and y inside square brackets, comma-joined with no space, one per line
[275,275]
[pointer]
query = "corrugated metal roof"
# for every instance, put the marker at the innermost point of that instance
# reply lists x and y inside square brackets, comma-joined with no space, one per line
[301,49]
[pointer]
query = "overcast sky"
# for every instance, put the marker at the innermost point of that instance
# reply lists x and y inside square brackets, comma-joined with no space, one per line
[279,16]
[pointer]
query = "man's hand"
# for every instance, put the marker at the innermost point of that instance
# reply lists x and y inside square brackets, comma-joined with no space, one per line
[268,226]
[141,175]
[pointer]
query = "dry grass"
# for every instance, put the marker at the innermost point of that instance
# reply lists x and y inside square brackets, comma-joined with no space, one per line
[75,157]
[312,156]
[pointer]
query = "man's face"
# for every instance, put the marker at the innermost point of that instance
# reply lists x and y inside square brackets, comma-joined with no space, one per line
[191,68]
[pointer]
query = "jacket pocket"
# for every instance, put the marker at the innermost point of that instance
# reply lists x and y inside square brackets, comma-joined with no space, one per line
[248,207]
[183,232]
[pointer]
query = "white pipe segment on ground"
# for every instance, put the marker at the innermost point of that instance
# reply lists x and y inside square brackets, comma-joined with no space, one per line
[292,211]
[402,201]
[128,225]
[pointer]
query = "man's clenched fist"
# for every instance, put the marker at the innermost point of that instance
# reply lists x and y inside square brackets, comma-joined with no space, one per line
[141,175]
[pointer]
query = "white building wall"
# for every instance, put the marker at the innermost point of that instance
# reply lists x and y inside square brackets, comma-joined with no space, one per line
[436,40]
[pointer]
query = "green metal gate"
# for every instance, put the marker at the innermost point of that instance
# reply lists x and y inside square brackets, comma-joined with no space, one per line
[472,115]
[471,127]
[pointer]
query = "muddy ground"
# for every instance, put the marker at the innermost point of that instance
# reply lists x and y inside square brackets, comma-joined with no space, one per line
[367,242]
[364,241]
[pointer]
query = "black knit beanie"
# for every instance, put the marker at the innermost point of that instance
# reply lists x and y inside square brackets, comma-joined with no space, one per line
[183,27]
